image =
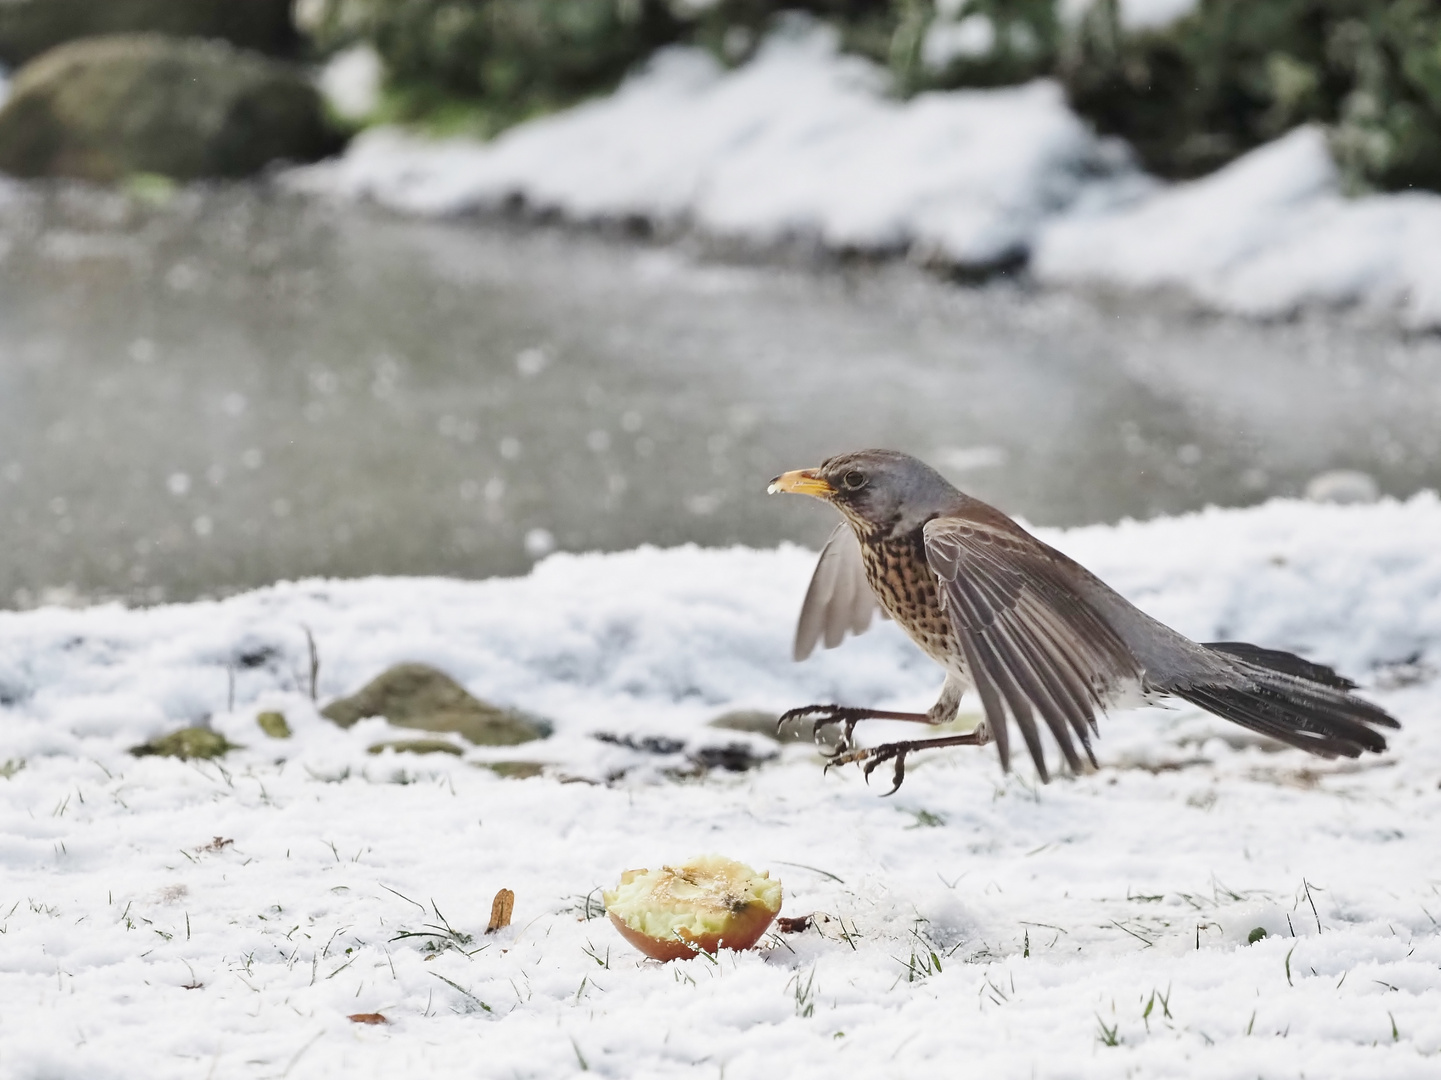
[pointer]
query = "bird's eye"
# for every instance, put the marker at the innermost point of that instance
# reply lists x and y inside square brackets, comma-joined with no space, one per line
[854,480]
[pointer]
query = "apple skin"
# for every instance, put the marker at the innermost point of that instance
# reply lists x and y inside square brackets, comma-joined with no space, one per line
[746,932]
[742,928]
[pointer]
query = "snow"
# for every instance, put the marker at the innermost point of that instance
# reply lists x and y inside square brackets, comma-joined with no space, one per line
[1112,907]
[801,142]
[1264,236]
[945,41]
[1135,14]
[350,81]
[804,143]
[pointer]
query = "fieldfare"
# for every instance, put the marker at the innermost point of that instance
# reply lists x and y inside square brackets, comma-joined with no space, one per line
[1035,633]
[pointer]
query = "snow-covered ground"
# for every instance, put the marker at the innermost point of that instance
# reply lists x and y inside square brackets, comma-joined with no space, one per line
[803,143]
[1113,908]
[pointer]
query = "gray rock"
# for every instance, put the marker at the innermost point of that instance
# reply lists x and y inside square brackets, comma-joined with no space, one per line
[187,743]
[420,697]
[29,27]
[102,108]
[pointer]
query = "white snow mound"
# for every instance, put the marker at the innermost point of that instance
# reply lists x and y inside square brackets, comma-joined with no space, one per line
[1265,236]
[800,142]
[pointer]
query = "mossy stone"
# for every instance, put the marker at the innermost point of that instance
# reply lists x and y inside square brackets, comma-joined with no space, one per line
[106,108]
[274,724]
[187,743]
[421,697]
[415,746]
[516,770]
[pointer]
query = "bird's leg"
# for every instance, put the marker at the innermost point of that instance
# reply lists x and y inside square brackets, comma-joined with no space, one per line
[942,712]
[822,715]
[897,751]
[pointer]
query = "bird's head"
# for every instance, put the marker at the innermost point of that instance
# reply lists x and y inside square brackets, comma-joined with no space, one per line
[881,492]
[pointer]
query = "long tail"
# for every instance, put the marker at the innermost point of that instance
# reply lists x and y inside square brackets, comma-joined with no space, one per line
[1302,704]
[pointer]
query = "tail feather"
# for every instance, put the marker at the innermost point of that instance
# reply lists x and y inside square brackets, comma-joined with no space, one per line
[1284,662]
[1302,704]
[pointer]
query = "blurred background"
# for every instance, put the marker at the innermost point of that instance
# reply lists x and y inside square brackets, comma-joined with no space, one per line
[212,377]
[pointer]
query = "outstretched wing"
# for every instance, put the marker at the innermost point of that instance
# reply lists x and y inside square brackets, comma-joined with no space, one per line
[839,599]
[1032,643]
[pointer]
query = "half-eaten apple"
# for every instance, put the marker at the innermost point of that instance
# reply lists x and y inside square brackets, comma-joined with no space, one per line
[708,903]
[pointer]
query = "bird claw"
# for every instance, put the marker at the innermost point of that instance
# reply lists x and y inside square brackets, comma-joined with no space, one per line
[874,756]
[823,715]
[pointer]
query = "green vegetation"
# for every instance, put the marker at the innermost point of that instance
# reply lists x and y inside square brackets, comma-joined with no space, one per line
[488,63]
[29,27]
[481,65]
[1190,96]
[1235,73]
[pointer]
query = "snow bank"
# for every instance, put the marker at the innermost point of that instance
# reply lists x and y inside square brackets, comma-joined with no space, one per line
[164,919]
[1264,236]
[800,142]
[804,143]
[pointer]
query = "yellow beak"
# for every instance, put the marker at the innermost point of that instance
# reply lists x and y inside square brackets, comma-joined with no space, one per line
[801,482]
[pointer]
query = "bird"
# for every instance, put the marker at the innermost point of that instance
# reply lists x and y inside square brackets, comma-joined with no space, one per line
[1043,641]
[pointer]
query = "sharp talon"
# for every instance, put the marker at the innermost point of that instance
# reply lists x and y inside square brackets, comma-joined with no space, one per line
[899,775]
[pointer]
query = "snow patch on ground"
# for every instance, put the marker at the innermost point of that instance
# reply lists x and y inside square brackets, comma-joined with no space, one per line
[801,142]
[1113,908]
[1265,236]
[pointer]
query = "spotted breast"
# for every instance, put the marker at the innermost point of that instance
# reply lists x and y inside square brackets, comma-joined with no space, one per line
[905,585]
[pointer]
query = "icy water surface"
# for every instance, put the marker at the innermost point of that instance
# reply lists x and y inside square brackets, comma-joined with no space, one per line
[231,388]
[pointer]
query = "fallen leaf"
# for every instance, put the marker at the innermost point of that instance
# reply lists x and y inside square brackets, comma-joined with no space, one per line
[500,910]
[368,1018]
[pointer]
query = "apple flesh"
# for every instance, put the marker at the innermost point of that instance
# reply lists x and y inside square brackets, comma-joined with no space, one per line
[708,903]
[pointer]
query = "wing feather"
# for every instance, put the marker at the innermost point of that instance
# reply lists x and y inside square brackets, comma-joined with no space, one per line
[1033,645]
[839,600]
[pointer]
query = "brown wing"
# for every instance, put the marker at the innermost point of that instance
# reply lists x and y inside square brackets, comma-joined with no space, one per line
[839,599]
[1032,643]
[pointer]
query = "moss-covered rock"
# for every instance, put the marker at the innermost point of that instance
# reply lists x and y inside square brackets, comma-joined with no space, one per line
[187,743]
[516,770]
[1236,73]
[274,724]
[415,746]
[103,108]
[29,27]
[421,697]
